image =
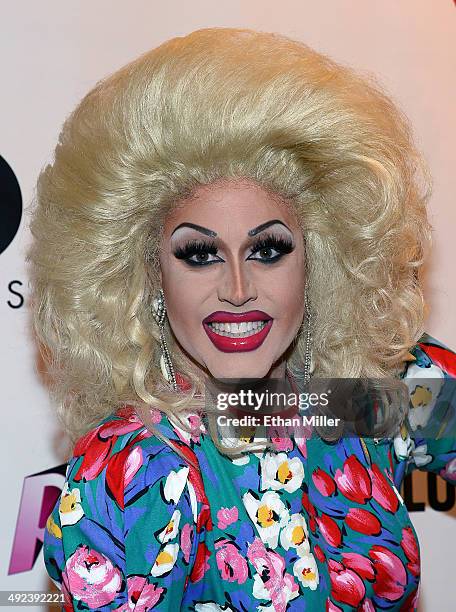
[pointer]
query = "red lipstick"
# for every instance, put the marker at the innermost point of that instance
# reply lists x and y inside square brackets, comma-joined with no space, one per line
[229,344]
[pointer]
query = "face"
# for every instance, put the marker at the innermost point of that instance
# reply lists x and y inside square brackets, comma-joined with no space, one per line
[233,274]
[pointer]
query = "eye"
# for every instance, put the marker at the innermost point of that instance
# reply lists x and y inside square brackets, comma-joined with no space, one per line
[198,253]
[271,248]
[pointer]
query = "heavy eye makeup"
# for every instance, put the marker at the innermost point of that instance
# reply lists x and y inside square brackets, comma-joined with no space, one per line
[267,249]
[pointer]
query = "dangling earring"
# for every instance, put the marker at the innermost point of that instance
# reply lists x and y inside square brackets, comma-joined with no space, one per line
[308,362]
[159,314]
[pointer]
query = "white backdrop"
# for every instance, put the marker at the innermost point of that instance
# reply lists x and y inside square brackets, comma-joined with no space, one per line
[52,53]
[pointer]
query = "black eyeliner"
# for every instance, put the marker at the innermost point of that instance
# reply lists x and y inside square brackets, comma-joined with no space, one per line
[283,245]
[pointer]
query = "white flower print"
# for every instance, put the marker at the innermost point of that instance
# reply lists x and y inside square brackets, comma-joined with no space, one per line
[70,509]
[295,535]
[306,570]
[241,460]
[175,484]
[280,472]
[420,456]
[165,560]
[210,606]
[403,444]
[171,529]
[424,386]
[269,515]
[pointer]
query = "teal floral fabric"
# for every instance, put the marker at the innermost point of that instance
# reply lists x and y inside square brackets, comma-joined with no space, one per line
[313,525]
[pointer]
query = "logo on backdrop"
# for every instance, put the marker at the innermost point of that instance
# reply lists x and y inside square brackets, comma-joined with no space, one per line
[10,204]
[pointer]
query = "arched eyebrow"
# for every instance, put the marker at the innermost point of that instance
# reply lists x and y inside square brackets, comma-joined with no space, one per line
[253,232]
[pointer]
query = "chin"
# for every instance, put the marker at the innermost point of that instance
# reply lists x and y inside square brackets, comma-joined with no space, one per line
[239,371]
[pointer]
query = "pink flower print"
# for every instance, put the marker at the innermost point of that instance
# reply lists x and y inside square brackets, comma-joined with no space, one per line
[226,516]
[155,415]
[232,565]
[282,444]
[186,540]
[449,471]
[141,595]
[280,586]
[196,426]
[91,577]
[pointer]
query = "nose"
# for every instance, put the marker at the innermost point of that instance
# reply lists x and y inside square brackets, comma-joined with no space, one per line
[236,287]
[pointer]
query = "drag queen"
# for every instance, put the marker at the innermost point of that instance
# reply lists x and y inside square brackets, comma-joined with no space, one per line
[234,205]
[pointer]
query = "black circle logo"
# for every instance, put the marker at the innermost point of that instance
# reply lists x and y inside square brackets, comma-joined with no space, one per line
[10,205]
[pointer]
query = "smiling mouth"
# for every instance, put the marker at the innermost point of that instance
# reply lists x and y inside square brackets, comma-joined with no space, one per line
[237,330]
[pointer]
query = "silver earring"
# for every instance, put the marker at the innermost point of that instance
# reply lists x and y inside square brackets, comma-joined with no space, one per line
[308,362]
[159,314]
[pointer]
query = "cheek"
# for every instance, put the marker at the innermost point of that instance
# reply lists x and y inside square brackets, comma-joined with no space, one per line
[183,301]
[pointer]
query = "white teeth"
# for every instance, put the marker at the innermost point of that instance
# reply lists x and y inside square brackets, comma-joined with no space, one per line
[237,330]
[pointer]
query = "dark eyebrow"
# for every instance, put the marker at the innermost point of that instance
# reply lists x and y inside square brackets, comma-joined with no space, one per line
[198,228]
[263,226]
[252,232]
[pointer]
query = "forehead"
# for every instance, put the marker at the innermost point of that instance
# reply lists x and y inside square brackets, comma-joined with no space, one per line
[239,203]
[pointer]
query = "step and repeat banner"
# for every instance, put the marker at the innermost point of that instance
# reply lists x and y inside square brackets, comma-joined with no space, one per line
[52,53]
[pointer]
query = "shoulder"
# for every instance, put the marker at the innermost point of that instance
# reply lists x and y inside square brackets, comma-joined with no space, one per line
[117,454]
[127,515]
[430,358]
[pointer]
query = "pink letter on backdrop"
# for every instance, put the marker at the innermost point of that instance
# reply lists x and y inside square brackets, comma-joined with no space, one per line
[39,495]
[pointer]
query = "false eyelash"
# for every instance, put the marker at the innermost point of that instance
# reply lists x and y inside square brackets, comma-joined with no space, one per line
[279,243]
[194,247]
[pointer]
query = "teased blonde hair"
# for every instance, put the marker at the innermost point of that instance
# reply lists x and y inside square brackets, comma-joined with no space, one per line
[228,104]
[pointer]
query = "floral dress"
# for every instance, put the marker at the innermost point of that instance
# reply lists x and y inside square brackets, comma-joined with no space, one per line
[313,525]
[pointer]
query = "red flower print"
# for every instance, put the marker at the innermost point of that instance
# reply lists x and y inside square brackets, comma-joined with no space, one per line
[201,564]
[445,359]
[391,577]
[346,586]
[196,480]
[329,530]
[359,564]
[354,482]
[310,508]
[97,444]
[323,482]
[382,490]
[331,607]
[318,553]
[363,521]
[410,546]
[411,602]
[122,467]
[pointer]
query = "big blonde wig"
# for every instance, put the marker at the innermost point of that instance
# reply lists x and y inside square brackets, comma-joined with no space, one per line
[224,103]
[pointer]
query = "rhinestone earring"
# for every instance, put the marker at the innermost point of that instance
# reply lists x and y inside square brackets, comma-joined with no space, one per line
[308,361]
[159,314]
